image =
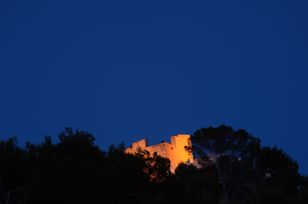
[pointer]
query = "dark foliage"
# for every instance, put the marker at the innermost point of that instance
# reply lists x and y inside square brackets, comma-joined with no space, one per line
[233,168]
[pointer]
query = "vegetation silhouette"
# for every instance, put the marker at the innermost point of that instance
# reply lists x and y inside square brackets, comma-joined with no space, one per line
[233,167]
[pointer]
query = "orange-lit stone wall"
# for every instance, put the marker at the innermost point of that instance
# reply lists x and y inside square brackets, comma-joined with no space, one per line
[174,151]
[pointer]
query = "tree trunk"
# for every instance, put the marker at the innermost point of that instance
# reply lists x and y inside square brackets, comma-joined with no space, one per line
[225,198]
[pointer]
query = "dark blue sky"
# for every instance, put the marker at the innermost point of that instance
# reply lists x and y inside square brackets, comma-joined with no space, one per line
[124,70]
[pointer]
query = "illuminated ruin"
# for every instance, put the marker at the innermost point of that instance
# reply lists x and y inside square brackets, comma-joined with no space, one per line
[174,151]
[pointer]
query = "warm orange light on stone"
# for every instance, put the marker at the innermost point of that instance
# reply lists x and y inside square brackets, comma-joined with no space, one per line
[174,151]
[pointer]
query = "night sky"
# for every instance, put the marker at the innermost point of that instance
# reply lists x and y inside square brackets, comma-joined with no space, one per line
[124,70]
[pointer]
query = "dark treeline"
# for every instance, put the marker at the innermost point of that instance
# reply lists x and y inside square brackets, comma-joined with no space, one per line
[233,168]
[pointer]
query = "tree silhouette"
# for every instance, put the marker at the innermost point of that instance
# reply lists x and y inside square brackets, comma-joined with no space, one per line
[277,170]
[232,154]
[13,170]
[232,168]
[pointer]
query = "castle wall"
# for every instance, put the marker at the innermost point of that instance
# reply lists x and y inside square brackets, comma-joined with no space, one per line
[174,151]
[163,149]
[136,146]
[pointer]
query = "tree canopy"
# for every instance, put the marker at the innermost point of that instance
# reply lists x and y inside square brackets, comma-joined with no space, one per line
[232,167]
